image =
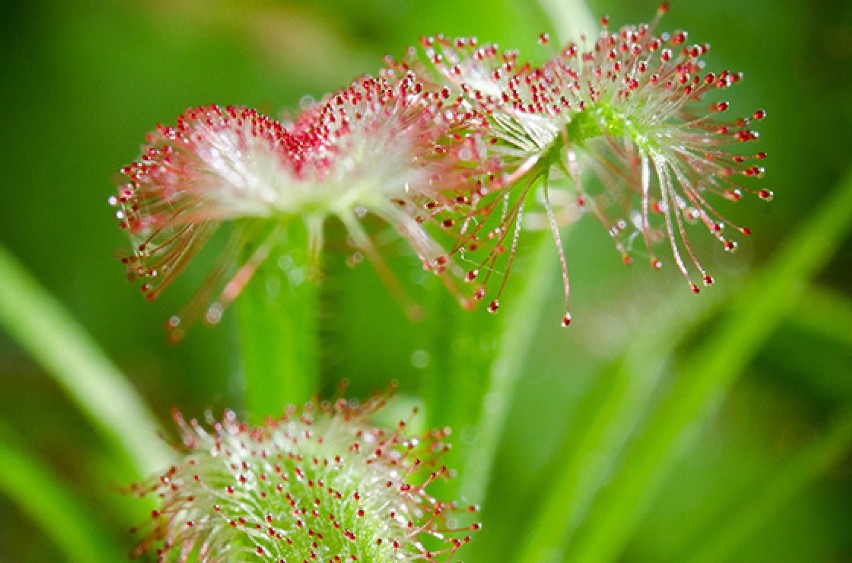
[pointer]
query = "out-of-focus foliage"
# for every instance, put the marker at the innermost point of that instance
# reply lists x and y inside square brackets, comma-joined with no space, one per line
[83,81]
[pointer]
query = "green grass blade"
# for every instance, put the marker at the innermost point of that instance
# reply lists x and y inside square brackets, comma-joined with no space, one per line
[45,329]
[570,18]
[751,316]
[609,414]
[827,313]
[806,466]
[50,503]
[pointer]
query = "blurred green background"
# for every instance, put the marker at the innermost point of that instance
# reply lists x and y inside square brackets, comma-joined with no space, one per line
[82,81]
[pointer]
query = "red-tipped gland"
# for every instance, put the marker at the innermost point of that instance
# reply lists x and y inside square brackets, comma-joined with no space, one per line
[493,307]
[566,320]
[733,195]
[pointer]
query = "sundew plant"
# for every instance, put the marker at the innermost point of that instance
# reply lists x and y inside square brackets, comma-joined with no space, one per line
[426,283]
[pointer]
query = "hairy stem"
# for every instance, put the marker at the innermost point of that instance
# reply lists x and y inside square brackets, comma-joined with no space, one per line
[277,317]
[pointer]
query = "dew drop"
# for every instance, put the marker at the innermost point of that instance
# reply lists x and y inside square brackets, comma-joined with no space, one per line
[214,314]
[765,195]
[420,359]
[493,306]
[656,263]
[566,320]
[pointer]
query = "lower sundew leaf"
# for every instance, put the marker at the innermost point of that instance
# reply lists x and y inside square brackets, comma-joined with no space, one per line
[51,504]
[318,483]
[751,317]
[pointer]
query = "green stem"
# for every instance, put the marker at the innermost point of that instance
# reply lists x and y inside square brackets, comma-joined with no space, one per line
[45,329]
[53,506]
[519,323]
[462,345]
[751,317]
[277,316]
[476,362]
[790,481]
